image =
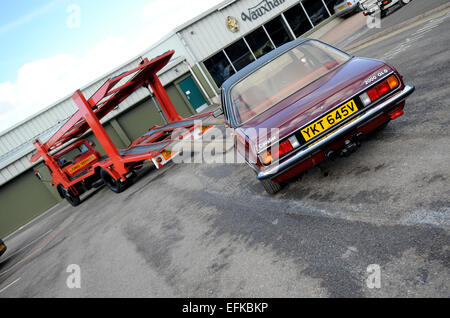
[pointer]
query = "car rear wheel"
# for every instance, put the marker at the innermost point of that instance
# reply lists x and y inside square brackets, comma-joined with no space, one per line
[114,185]
[74,200]
[404,2]
[270,186]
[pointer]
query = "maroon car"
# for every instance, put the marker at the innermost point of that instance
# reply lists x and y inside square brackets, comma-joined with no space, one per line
[305,102]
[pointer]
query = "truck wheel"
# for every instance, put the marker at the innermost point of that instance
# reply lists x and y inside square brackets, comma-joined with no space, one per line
[114,185]
[270,186]
[74,200]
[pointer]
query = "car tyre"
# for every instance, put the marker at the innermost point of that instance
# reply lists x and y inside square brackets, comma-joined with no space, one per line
[74,200]
[270,186]
[404,2]
[114,185]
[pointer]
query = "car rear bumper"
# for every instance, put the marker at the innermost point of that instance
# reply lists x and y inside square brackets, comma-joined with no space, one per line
[346,10]
[278,169]
[380,6]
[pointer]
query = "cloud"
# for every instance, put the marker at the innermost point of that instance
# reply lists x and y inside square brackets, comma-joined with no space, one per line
[43,82]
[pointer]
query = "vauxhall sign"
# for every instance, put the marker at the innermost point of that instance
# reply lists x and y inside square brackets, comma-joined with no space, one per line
[261,9]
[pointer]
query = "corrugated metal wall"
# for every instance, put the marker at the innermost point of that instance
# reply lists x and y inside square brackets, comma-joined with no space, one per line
[208,35]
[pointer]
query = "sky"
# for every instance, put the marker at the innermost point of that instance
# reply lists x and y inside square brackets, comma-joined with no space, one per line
[50,48]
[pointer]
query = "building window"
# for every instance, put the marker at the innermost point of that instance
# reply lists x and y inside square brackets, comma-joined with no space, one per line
[219,68]
[298,20]
[259,42]
[331,3]
[278,31]
[316,10]
[239,54]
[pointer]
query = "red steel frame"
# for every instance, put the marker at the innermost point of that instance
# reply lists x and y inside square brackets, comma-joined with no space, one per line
[92,110]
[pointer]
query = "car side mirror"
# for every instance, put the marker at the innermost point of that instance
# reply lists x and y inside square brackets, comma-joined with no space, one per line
[218,112]
[91,143]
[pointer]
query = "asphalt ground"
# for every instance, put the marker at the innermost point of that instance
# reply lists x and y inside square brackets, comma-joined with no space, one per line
[395,16]
[198,230]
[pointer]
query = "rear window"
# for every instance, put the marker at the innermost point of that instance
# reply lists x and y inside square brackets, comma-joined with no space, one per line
[282,77]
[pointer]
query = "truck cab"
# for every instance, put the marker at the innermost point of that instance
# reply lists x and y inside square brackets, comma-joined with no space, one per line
[75,170]
[77,158]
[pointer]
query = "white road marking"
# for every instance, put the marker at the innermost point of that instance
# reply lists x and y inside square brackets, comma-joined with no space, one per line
[1,291]
[416,36]
[437,17]
[31,243]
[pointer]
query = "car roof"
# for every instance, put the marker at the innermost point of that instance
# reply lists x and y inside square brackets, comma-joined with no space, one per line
[261,61]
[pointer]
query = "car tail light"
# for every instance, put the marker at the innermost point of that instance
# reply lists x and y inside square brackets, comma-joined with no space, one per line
[393,82]
[266,158]
[284,147]
[349,4]
[379,90]
[294,142]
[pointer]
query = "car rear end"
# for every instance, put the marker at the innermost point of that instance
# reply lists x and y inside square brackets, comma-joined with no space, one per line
[347,7]
[339,131]
[370,7]
[286,123]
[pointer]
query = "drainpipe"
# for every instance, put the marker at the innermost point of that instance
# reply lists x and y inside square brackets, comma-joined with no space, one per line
[188,49]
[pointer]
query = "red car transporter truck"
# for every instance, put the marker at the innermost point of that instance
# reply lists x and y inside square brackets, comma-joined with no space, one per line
[86,167]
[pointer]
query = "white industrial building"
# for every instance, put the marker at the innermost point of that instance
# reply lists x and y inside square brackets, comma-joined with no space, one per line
[209,49]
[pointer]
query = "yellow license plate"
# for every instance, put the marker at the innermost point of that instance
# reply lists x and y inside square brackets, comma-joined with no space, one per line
[341,8]
[2,247]
[328,121]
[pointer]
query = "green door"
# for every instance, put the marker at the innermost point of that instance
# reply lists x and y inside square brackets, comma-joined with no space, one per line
[193,94]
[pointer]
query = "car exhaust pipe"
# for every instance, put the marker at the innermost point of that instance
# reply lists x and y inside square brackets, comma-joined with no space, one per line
[331,154]
[360,137]
[349,148]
